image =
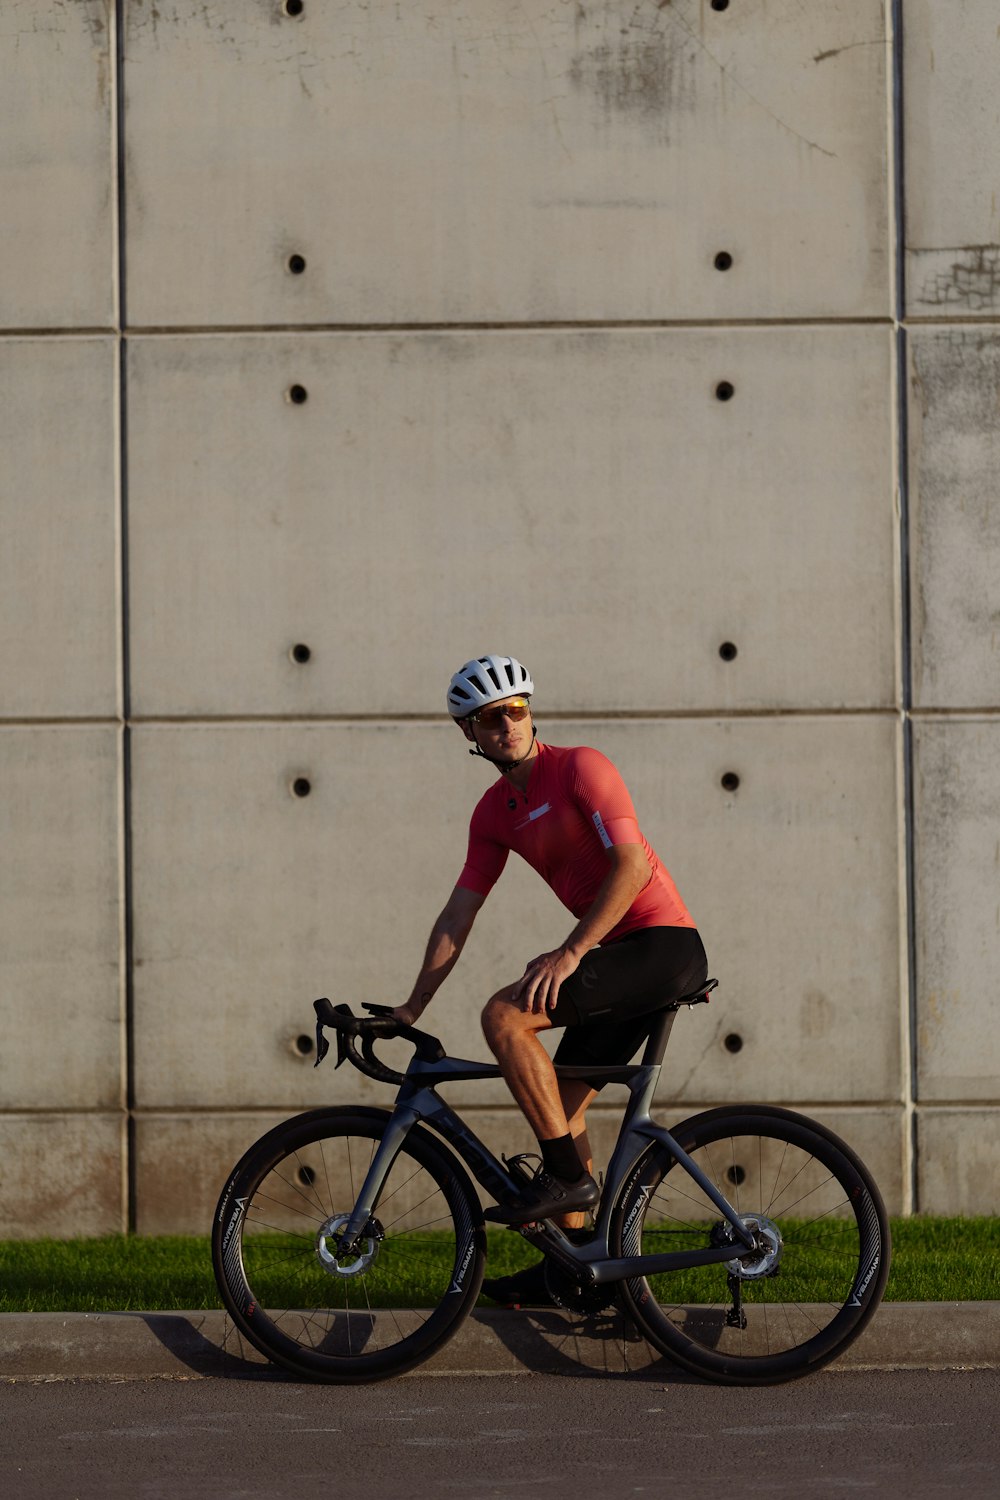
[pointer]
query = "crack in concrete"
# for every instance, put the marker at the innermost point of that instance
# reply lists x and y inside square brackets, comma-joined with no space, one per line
[813,145]
[879,41]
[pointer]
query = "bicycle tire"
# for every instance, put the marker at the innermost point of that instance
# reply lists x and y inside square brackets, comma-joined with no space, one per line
[274,1248]
[803,1300]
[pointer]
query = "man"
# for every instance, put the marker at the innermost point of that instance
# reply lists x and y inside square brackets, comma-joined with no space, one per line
[633,949]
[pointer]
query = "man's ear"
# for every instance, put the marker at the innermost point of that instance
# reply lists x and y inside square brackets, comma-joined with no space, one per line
[466,729]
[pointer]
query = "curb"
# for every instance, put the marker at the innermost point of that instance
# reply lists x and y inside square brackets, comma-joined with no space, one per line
[135,1345]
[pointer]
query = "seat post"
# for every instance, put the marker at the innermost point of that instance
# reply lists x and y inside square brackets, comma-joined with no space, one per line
[658,1036]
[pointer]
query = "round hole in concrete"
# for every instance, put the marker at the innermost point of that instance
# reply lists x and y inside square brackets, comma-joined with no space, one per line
[733,1042]
[298,395]
[727,651]
[306,1176]
[296,264]
[304,1044]
[720,4]
[301,786]
[301,654]
[296,7]
[725,391]
[730,781]
[736,1175]
[723,261]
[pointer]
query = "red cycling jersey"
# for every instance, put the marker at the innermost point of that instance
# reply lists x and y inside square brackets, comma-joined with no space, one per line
[576,806]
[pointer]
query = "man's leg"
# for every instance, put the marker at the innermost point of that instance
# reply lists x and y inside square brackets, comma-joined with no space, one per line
[576,1096]
[512,1034]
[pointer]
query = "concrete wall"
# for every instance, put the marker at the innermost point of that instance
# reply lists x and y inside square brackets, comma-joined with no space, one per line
[592,332]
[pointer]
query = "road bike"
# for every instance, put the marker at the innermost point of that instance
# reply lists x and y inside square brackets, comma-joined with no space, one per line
[749,1244]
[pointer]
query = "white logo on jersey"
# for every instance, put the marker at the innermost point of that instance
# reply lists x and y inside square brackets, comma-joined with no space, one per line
[599,825]
[538,812]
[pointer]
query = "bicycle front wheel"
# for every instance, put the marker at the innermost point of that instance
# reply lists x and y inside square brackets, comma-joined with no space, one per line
[396,1297]
[823,1246]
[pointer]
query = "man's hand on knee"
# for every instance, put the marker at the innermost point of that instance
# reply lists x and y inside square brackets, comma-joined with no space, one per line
[537,990]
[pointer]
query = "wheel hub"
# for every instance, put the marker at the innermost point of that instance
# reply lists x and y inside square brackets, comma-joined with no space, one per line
[765,1259]
[362,1255]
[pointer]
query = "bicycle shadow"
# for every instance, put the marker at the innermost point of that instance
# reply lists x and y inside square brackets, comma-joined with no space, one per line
[210,1344]
[592,1346]
[537,1341]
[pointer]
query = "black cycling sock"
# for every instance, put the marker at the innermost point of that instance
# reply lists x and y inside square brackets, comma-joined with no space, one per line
[561,1158]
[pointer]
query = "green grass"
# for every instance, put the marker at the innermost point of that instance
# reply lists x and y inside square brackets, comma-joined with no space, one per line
[945,1260]
[935,1259]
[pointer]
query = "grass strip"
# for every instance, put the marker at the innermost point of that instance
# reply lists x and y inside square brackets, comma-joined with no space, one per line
[934,1260]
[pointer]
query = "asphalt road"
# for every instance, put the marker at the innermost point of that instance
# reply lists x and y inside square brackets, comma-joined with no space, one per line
[909,1433]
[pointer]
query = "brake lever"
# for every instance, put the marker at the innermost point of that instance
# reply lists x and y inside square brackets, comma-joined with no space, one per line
[322,1043]
[343,1041]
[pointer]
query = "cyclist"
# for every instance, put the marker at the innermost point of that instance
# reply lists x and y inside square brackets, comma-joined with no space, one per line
[634,947]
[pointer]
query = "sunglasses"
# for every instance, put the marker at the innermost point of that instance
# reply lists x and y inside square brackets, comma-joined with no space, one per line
[515,709]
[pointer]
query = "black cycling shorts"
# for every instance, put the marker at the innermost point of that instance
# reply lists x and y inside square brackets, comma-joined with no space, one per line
[609,1003]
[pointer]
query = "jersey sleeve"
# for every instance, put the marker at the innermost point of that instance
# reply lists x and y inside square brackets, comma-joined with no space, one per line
[597,788]
[486,857]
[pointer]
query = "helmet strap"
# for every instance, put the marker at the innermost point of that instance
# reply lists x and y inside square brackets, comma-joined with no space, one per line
[506,765]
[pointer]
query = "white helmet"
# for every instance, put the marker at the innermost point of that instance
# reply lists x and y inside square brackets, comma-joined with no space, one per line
[486,679]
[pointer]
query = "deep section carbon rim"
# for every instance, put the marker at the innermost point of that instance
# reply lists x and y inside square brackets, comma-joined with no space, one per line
[823,1246]
[393,1297]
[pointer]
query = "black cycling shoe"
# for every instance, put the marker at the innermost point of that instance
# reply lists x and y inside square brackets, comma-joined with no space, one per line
[525,1288]
[544,1197]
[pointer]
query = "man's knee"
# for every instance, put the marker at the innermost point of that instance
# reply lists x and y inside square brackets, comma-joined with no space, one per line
[498,1013]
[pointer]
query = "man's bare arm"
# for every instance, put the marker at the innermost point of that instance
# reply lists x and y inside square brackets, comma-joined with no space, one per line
[629,873]
[444,945]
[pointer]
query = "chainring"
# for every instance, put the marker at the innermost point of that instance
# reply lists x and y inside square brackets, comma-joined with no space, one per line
[572,1297]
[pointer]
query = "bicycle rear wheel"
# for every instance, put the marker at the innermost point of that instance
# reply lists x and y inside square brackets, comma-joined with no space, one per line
[812,1286]
[396,1297]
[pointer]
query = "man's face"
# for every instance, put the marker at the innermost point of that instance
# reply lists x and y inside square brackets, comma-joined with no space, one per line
[498,733]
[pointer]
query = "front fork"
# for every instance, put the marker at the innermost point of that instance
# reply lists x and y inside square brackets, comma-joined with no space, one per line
[395,1133]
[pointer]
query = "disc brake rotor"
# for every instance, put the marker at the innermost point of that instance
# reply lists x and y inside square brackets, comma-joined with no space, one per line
[765,1260]
[363,1253]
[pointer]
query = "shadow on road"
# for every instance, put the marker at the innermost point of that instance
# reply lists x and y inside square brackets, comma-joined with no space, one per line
[538,1341]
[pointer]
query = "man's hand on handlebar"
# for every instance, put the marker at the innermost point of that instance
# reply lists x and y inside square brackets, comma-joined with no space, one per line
[409,1013]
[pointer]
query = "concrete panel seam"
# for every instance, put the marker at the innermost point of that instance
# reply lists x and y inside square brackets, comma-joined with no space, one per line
[57,335]
[128,993]
[574,716]
[233,330]
[900,374]
[897,159]
[686,1106]
[922,321]
[957,1106]
[909,870]
[117,40]
[70,1112]
[958,715]
[84,722]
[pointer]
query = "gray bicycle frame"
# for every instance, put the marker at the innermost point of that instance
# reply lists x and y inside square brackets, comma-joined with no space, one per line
[418,1101]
